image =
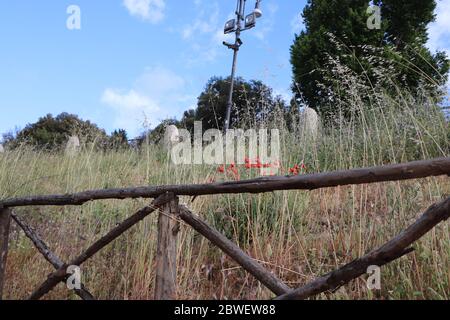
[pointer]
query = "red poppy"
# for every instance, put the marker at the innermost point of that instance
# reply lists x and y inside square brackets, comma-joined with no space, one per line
[234,171]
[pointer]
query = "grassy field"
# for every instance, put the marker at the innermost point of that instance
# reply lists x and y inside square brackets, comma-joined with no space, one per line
[298,235]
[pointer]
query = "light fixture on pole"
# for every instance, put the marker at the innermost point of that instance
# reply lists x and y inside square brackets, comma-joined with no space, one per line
[257,10]
[235,26]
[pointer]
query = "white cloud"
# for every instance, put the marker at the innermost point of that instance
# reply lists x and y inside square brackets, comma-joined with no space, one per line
[129,101]
[286,94]
[297,24]
[203,24]
[156,95]
[439,31]
[132,111]
[158,82]
[265,26]
[148,10]
[204,33]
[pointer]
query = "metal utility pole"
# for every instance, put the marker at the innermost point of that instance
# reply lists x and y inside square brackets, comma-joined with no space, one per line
[235,26]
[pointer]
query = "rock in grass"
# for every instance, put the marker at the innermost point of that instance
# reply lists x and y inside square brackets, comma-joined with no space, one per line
[73,146]
[309,123]
[171,137]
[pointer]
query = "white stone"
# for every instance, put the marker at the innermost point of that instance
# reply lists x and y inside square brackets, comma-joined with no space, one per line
[171,137]
[309,123]
[2,149]
[73,145]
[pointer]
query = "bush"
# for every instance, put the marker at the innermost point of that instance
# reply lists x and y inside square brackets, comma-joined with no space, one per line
[51,133]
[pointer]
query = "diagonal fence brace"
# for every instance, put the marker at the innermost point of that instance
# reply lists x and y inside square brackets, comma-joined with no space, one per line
[42,247]
[61,274]
[249,264]
[392,250]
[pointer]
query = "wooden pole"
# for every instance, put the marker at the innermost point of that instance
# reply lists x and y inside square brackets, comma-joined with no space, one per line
[395,172]
[5,222]
[166,255]
[232,250]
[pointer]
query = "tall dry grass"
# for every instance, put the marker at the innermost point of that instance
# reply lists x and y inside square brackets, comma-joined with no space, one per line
[298,235]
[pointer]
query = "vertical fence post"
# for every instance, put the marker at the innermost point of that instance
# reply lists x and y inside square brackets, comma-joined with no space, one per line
[166,255]
[5,222]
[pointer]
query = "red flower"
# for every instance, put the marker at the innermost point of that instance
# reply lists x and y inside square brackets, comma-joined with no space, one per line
[221,169]
[297,169]
[234,171]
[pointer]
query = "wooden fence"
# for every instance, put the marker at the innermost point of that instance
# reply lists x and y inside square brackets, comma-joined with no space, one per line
[171,213]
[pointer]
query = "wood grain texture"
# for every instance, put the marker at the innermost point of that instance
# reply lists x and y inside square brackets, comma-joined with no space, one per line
[395,172]
[61,274]
[52,258]
[5,222]
[166,253]
[259,272]
[394,249]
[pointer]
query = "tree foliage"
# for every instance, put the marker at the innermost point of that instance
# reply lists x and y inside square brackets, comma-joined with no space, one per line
[253,102]
[51,133]
[337,31]
[118,139]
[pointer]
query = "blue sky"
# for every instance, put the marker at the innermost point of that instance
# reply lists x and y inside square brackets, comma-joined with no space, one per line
[136,62]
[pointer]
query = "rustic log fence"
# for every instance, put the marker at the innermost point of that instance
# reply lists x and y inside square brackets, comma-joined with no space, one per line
[171,213]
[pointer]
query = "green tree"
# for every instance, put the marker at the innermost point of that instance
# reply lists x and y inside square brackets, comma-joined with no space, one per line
[405,21]
[119,139]
[337,30]
[156,135]
[53,132]
[187,121]
[253,102]
[405,25]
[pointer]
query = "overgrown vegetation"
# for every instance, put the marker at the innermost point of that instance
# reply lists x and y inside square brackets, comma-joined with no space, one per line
[398,47]
[369,118]
[51,133]
[298,235]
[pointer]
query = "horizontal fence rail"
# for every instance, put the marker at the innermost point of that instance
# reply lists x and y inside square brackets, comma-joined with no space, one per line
[171,214]
[61,274]
[395,172]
